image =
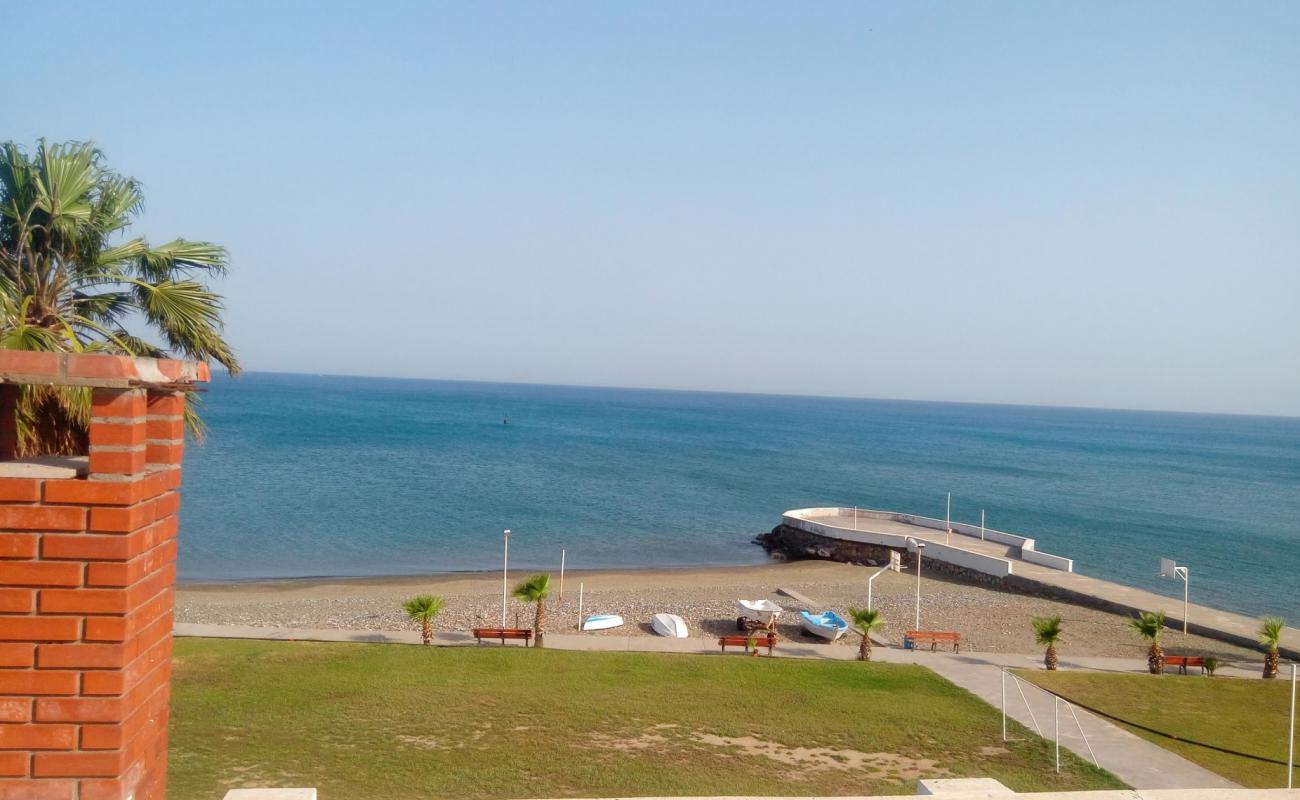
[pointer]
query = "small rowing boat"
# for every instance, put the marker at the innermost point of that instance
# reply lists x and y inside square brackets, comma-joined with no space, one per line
[600,622]
[670,625]
[828,625]
[764,611]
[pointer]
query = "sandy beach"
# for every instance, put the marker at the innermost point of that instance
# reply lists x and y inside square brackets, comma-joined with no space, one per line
[989,620]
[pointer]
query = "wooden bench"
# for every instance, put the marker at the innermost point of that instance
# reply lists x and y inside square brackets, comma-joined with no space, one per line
[768,641]
[1183,662]
[503,633]
[933,638]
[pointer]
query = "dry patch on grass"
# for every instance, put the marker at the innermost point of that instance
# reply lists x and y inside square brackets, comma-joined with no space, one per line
[249,776]
[882,766]
[421,742]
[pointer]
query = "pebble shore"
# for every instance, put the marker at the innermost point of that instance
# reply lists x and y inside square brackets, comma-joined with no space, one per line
[989,620]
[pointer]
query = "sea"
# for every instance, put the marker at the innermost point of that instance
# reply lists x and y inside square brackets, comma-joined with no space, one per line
[311,476]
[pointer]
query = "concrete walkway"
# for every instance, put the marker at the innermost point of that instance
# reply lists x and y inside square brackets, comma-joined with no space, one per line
[1135,761]
[1223,625]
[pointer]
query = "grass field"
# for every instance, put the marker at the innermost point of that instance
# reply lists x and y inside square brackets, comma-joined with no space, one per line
[384,721]
[1249,716]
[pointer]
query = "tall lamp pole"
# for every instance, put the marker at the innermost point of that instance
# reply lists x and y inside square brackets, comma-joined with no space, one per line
[948,521]
[919,547]
[505,583]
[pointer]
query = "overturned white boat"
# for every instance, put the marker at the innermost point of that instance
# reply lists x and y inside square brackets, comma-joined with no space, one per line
[670,625]
[600,622]
[828,625]
[764,611]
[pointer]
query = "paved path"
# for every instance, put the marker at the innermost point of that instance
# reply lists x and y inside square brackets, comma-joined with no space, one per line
[1224,625]
[1135,761]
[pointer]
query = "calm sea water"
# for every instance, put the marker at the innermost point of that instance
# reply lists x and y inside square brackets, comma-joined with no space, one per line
[310,476]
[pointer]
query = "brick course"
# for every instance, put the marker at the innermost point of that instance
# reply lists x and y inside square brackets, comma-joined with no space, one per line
[87,570]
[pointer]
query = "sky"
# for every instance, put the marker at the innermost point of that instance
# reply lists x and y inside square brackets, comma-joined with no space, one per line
[1088,204]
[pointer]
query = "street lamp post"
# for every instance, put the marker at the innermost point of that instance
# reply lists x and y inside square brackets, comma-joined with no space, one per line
[505,583]
[919,547]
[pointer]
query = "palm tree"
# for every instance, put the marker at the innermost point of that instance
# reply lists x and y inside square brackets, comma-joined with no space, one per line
[1270,635]
[423,609]
[535,590]
[71,281]
[866,620]
[1148,626]
[1047,632]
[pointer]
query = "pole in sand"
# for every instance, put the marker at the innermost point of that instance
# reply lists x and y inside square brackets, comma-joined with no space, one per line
[561,573]
[579,606]
[981,524]
[948,521]
[505,583]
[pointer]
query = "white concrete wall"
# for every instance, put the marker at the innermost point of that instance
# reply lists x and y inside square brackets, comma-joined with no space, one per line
[950,554]
[1048,560]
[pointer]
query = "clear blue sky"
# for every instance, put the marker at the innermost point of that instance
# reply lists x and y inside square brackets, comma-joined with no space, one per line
[1082,204]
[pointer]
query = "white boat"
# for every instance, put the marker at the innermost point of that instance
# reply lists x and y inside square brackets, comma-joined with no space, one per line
[670,625]
[764,611]
[600,622]
[827,624]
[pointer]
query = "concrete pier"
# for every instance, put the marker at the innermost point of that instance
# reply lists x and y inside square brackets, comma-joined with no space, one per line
[1014,561]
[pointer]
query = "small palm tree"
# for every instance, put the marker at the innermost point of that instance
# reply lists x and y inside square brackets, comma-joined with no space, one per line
[1047,632]
[866,620]
[1148,626]
[423,609]
[535,590]
[1270,635]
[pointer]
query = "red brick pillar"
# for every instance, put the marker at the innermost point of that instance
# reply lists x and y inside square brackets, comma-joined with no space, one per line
[87,567]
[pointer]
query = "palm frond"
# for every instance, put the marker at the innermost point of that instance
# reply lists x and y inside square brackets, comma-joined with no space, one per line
[866,620]
[189,317]
[1148,625]
[1047,630]
[64,177]
[179,256]
[125,254]
[536,588]
[424,607]
[1270,632]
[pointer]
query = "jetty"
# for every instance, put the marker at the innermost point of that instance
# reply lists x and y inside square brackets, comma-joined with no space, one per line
[997,558]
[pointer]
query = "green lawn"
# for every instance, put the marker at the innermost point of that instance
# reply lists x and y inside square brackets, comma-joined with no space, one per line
[1248,716]
[386,721]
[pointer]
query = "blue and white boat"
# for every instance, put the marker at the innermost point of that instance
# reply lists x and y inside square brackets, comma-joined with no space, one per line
[828,625]
[601,622]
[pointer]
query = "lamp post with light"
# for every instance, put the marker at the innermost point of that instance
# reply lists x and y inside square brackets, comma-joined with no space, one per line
[505,583]
[919,545]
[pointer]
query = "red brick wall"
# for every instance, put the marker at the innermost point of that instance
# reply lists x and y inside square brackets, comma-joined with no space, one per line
[87,568]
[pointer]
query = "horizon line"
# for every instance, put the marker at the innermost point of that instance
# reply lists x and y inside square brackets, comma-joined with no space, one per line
[809,396]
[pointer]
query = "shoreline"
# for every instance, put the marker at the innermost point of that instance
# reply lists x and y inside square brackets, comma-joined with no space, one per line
[216,584]
[989,619]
